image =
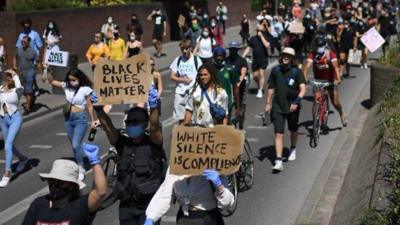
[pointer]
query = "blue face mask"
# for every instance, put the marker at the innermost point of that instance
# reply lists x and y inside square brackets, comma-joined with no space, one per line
[135,131]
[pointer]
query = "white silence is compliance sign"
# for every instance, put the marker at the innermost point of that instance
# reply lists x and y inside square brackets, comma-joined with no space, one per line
[56,58]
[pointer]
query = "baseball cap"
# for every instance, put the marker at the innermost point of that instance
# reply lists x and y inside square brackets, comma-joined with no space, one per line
[137,115]
[234,44]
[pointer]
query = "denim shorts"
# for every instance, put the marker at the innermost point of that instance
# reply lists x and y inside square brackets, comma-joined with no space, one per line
[29,76]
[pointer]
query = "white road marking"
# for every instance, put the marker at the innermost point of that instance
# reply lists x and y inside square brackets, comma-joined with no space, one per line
[257,127]
[167,91]
[41,146]
[171,85]
[4,161]
[61,134]
[252,139]
[116,113]
[168,219]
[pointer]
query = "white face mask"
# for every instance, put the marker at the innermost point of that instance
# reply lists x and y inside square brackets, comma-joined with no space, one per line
[110,20]
[51,26]
[132,37]
[213,24]
[205,34]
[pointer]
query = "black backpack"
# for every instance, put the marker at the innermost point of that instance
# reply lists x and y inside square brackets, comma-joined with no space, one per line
[140,172]
[196,63]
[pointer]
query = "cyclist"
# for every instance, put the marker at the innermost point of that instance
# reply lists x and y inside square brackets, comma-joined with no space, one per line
[228,77]
[198,200]
[287,86]
[141,166]
[241,65]
[326,68]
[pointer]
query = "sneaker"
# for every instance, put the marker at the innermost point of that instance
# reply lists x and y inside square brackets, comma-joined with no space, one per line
[365,66]
[81,173]
[259,94]
[346,75]
[292,155]
[278,165]
[4,181]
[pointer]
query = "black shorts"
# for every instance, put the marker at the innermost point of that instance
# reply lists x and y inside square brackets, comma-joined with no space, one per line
[242,96]
[158,36]
[256,65]
[278,119]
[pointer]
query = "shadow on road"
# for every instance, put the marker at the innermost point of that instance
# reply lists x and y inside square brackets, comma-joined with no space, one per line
[22,167]
[268,152]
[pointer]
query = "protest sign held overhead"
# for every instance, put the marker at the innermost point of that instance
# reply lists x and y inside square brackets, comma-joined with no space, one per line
[123,82]
[181,20]
[296,27]
[372,39]
[195,149]
[56,58]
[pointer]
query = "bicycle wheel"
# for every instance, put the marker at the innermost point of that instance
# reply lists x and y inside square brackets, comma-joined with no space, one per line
[109,165]
[316,128]
[232,185]
[246,171]
[326,112]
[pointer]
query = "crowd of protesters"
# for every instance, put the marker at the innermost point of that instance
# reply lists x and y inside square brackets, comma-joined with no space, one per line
[205,67]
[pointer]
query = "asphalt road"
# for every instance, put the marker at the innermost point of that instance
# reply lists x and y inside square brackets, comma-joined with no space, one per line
[275,199]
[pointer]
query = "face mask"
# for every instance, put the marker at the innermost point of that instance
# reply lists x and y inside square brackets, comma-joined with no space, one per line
[159,13]
[74,83]
[320,51]
[346,26]
[132,38]
[205,34]
[27,30]
[135,131]
[51,26]
[285,67]
[57,193]
[109,21]
[205,16]
[195,26]
[116,35]
[219,62]
[213,24]
[308,16]
[233,53]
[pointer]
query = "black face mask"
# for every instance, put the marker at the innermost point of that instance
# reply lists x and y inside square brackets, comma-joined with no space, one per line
[233,54]
[285,67]
[57,193]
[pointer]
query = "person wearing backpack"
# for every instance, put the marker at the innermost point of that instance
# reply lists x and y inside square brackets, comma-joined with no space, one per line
[183,73]
[199,197]
[142,164]
[286,88]
[204,45]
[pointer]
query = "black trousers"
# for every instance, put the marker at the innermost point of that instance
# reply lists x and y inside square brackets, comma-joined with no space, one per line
[212,217]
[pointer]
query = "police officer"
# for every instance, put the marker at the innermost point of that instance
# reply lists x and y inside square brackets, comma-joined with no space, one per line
[286,88]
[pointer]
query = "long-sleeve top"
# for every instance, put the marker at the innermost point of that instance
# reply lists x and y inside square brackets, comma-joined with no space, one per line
[191,192]
[11,98]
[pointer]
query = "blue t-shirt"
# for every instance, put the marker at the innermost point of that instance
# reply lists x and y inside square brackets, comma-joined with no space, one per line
[36,42]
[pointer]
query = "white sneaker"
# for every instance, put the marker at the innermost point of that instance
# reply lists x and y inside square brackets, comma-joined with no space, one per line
[278,165]
[4,181]
[365,66]
[292,155]
[81,173]
[259,94]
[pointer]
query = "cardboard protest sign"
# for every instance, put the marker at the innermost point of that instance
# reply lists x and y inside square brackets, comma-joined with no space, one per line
[372,39]
[181,20]
[195,149]
[296,27]
[56,58]
[123,82]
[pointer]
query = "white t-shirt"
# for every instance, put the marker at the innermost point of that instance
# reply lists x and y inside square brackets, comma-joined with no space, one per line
[205,46]
[186,69]
[198,104]
[78,99]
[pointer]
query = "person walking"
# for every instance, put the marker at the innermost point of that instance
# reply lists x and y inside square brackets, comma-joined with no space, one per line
[64,204]
[135,27]
[259,45]
[192,33]
[97,50]
[3,56]
[78,90]
[133,46]
[245,28]
[11,91]
[204,46]
[25,61]
[286,88]
[216,30]
[117,47]
[199,197]
[222,16]
[51,36]
[159,31]
[183,73]
[107,29]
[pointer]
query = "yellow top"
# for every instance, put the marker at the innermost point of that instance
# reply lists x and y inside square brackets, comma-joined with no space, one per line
[96,51]
[117,49]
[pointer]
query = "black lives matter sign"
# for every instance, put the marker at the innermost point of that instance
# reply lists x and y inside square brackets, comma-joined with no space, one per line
[195,149]
[123,82]
[56,58]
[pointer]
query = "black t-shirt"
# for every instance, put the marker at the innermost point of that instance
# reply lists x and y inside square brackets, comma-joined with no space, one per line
[346,40]
[286,87]
[384,22]
[73,213]
[158,24]
[239,62]
[260,52]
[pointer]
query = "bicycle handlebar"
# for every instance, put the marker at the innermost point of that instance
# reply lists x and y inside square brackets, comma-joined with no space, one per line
[321,84]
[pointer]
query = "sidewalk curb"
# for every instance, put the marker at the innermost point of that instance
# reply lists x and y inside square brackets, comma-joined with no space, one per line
[320,204]
[40,114]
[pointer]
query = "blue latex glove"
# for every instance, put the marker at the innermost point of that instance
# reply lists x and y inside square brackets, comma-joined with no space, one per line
[153,101]
[92,152]
[148,221]
[213,176]
[93,97]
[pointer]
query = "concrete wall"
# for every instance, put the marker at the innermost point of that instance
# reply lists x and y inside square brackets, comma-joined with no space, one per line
[358,185]
[382,78]
[77,26]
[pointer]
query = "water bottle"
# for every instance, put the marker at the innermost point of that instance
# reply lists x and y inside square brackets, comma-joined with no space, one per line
[92,134]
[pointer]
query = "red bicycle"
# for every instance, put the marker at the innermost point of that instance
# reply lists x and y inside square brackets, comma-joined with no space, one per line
[320,120]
